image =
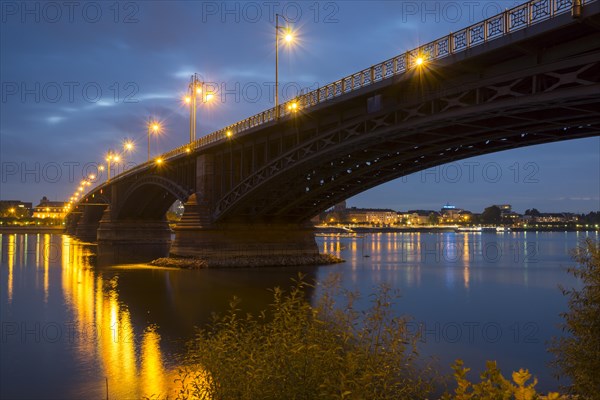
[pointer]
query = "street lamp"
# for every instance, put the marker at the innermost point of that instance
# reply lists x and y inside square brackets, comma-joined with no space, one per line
[288,39]
[153,126]
[195,89]
[111,156]
[128,145]
[293,106]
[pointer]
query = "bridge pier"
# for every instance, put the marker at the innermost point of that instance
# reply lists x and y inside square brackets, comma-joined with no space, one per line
[71,223]
[88,223]
[132,240]
[197,236]
[236,240]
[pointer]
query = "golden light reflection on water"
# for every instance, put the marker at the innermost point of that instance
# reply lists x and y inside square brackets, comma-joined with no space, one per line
[47,256]
[466,260]
[332,245]
[10,256]
[152,372]
[133,364]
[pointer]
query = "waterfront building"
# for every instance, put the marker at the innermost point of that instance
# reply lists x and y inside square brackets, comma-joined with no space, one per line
[511,217]
[505,208]
[375,216]
[354,215]
[50,209]
[15,209]
[556,217]
[419,217]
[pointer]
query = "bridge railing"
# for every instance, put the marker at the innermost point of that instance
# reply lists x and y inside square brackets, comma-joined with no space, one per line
[505,23]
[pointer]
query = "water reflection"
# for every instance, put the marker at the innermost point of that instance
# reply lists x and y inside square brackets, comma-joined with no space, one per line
[124,325]
[466,260]
[104,330]
[127,323]
[10,256]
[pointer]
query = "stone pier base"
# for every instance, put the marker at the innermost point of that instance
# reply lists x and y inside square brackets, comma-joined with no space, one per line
[86,231]
[88,222]
[71,223]
[228,241]
[130,241]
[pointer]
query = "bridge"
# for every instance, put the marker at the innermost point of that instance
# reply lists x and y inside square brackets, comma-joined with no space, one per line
[527,76]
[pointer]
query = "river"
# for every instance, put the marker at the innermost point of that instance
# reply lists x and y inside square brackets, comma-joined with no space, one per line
[72,329]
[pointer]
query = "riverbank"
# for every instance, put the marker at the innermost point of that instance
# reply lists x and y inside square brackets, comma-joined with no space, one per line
[440,229]
[247,262]
[32,229]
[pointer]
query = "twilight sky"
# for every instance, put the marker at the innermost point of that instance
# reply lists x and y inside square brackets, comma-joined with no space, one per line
[80,77]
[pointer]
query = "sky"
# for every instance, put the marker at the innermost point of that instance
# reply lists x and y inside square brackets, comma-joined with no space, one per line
[79,78]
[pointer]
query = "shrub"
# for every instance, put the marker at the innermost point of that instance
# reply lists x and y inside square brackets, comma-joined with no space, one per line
[299,351]
[494,386]
[578,354]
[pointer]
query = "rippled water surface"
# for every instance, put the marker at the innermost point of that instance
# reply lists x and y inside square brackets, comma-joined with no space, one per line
[70,328]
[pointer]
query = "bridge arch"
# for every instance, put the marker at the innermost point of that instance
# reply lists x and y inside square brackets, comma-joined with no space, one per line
[536,105]
[149,198]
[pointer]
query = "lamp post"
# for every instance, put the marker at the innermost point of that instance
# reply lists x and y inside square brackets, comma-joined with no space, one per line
[153,126]
[128,147]
[112,156]
[195,88]
[108,160]
[288,38]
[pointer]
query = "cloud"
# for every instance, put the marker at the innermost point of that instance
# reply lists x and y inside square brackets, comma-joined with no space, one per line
[579,198]
[54,119]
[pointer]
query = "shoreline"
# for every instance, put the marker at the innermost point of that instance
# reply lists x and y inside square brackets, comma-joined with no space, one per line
[247,262]
[32,229]
[329,230]
[442,229]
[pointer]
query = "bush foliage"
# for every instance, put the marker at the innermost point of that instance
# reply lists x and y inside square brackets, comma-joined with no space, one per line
[494,386]
[299,351]
[578,354]
[296,350]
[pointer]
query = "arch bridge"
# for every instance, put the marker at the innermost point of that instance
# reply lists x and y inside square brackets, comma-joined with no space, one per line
[527,76]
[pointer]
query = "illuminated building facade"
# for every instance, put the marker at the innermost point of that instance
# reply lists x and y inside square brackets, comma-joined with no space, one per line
[50,209]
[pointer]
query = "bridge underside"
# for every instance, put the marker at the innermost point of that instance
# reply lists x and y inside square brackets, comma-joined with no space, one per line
[436,116]
[373,152]
[253,195]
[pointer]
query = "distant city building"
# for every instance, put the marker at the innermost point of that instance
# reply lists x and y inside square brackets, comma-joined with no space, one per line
[371,216]
[448,207]
[556,217]
[450,214]
[50,209]
[507,214]
[571,217]
[419,217]
[15,208]
[504,207]
[511,216]
[353,215]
